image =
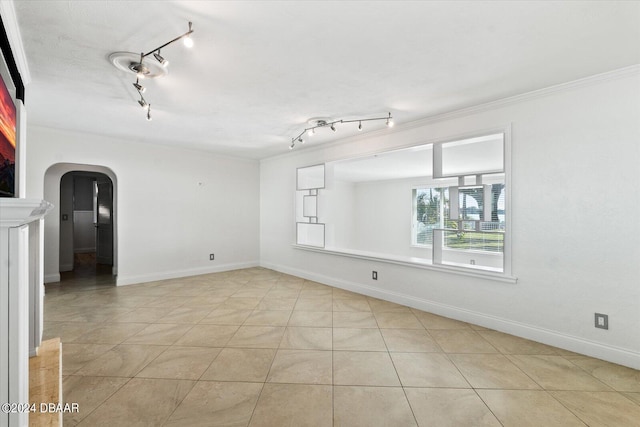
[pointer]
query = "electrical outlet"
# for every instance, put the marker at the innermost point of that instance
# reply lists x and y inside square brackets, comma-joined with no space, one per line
[374,275]
[472,262]
[602,321]
[211,257]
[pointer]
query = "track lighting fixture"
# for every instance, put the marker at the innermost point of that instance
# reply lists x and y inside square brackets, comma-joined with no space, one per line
[331,124]
[126,61]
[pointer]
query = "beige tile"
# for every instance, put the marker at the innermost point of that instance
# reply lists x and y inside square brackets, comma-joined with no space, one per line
[360,339]
[217,404]
[124,360]
[633,396]
[461,341]
[528,408]
[433,321]
[320,319]
[306,406]
[354,319]
[394,319]
[257,337]
[185,315]
[508,344]
[409,340]
[164,302]
[309,284]
[159,333]
[307,338]
[268,318]
[363,368]
[618,377]
[240,303]
[314,304]
[557,373]
[250,293]
[378,305]
[88,393]
[315,293]
[140,402]
[227,316]
[110,333]
[301,366]
[351,305]
[67,331]
[282,292]
[600,408]
[286,304]
[449,407]
[141,315]
[180,363]
[210,302]
[206,335]
[240,364]
[371,407]
[342,294]
[427,370]
[75,356]
[492,371]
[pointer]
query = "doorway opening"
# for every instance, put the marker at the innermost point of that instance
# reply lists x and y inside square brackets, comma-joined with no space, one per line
[86,229]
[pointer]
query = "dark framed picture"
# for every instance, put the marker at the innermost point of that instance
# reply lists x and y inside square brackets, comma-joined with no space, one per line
[7,134]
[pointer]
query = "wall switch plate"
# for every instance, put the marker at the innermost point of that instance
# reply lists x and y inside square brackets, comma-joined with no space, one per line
[374,275]
[211,257]
[601,321]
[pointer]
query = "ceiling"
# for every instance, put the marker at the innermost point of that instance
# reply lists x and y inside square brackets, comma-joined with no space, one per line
[259,70]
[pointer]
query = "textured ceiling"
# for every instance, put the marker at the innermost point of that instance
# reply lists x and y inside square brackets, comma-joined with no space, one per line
[259,70]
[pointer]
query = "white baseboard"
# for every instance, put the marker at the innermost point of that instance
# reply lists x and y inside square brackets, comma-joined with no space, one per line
[557,339]
[123,280]
[51,278]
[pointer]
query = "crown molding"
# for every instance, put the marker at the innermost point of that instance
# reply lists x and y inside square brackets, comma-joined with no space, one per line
[10,21]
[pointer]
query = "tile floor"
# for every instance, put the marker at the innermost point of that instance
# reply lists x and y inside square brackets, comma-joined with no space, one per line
[255,347]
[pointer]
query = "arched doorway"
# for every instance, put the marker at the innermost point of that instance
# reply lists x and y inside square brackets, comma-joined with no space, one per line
[97,224]
[86,228]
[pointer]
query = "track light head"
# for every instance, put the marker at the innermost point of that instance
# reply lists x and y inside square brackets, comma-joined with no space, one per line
[311,132]
[188,41]
[142,102]
[139,87]
[160,58]
[293,144]
[390,121]
[333,127]
[300,140]
[149,113]
[360,126]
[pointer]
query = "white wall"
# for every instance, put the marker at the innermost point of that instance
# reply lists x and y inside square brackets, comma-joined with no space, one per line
[575,156]
[173,207]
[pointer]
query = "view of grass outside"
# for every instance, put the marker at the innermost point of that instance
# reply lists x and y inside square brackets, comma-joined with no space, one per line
[432,211]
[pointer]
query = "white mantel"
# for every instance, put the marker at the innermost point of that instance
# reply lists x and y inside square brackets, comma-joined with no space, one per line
[20,298]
